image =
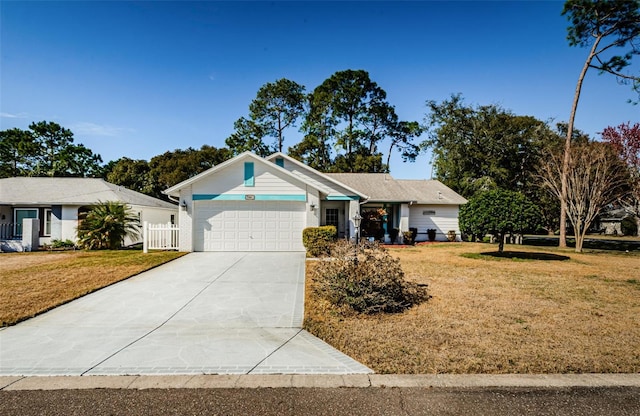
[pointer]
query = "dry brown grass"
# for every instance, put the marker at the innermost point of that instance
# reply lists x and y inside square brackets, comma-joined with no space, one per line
[32,283]
[498,315]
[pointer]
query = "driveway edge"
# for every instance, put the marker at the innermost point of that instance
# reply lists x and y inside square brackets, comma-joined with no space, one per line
[8,383]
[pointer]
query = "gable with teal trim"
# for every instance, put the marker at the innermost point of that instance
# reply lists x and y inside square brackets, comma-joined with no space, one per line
[250,180]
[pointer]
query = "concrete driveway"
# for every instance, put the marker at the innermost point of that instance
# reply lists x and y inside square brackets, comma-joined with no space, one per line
[204,313]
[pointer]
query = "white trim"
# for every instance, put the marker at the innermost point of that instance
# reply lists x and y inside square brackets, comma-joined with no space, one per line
[44,222]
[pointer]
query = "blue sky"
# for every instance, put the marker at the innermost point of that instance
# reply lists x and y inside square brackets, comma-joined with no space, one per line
[137,79]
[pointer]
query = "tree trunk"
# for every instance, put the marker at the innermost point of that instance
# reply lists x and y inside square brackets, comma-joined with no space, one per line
[389,156]
[567,146]
[579,236]
[280,138]
[500,243]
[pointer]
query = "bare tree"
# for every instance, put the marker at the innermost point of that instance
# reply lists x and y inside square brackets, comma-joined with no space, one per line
[595,178]
[605,26]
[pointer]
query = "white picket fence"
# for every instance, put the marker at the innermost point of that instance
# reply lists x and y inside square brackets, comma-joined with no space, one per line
[160,237]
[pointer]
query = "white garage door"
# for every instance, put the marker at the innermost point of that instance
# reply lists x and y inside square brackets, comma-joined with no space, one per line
[249,226]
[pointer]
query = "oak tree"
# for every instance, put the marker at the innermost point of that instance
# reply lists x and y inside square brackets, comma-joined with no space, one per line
[498,212]
[477,148]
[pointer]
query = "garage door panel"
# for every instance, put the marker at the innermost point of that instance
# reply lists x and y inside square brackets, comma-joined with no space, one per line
[249,226]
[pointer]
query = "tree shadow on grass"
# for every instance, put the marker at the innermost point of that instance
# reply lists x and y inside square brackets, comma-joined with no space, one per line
[524,255]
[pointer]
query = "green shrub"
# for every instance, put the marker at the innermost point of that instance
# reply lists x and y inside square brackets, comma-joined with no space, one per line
[374,283]
[318,240]
[106,225]
[62,244]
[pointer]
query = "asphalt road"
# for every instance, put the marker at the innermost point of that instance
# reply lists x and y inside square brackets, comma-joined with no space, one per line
[610,401]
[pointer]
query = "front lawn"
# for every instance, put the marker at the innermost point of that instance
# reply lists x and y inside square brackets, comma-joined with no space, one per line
[32,283]
[493,314]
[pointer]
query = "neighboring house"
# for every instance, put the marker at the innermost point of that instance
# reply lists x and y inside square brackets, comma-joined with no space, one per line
[250,203]
[609,221]
[59,202]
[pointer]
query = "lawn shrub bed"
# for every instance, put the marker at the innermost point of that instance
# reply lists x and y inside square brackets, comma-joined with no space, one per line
[371,282]
[496,315]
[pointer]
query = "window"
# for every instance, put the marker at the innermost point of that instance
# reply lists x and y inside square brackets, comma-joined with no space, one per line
[249,179]
[47,222]
[280,162]
[331,217]
[428,212]
[20,214]
[173,219]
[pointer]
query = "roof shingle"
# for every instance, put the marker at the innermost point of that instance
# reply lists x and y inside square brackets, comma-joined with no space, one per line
[382,187]
[70,191]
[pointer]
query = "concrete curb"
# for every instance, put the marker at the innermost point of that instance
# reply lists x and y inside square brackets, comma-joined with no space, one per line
[9,383]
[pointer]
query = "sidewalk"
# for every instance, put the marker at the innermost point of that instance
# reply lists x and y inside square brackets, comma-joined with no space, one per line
[8,383]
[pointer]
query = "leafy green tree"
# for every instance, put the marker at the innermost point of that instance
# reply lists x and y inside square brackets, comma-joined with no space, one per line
[314,152]
[106,225]
[276,107]
[360,161]
[480,148]
[315,149]
[58,156]
[132,174]
[248,137]
[349,119]
[359,105]
[170,168]
[79,161]
[605,26]
[498,212]
[402,136]
[54,140]
[46,149]
[17,150]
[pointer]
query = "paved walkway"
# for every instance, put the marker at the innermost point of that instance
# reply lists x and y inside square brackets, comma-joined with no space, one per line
[204,313]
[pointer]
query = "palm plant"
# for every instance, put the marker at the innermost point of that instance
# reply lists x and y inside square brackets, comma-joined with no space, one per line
[106,225]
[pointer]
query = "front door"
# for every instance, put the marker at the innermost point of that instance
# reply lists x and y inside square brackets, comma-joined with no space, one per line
[333,214]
